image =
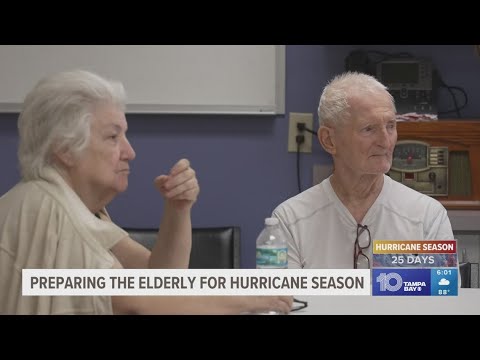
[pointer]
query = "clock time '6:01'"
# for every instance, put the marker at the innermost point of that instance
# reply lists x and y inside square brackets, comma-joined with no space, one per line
[444,272]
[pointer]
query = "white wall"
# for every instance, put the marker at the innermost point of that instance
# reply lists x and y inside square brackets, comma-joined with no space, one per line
[159,78]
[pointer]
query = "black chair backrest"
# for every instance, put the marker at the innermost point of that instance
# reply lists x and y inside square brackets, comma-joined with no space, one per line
[212,248]
[465,275]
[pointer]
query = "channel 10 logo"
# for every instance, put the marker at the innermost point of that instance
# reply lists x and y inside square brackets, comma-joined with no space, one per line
[401,282]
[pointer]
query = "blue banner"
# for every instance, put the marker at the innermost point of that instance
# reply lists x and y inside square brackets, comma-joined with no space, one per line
[414,282]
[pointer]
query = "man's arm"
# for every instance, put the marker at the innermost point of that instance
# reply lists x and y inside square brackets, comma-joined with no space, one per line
[440,227]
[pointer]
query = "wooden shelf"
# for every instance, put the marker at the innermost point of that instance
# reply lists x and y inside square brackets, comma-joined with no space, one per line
[458,135]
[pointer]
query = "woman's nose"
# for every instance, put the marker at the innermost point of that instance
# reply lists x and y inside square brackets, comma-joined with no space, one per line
[128,151]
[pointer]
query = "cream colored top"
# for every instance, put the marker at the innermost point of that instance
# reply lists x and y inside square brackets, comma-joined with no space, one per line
[44,224]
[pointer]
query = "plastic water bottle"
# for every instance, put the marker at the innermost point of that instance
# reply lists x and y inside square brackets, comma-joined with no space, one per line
[271,247]
[271,250]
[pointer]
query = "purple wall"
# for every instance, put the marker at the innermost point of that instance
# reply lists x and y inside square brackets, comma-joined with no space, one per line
[242,162]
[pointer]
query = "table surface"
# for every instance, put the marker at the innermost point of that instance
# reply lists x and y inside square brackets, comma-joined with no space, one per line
[466,303]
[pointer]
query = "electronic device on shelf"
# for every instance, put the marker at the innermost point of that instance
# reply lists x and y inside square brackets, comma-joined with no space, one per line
[421,167]
[410,82]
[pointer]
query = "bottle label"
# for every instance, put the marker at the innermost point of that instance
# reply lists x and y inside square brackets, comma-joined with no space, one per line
[272,258]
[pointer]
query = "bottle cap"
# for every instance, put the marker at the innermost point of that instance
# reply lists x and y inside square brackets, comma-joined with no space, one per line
[271,221]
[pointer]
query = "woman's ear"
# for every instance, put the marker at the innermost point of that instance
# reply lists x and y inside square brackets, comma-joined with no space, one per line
[64,156]
[326,137]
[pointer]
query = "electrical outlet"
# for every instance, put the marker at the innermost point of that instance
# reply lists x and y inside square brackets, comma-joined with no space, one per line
[294,119]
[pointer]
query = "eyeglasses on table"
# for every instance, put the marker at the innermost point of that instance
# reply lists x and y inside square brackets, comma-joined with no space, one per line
[299,304]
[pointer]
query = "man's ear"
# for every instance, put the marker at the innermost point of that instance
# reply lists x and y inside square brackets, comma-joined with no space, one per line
[326,137]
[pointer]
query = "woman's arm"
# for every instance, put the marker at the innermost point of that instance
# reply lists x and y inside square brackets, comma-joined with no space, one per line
[180,189]
[200,305]
[174,239]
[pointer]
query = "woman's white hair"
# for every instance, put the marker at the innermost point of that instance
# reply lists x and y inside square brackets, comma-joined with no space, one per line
[57,114]
[334,107]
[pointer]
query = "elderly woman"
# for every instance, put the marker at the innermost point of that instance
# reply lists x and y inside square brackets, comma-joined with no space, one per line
[74,158]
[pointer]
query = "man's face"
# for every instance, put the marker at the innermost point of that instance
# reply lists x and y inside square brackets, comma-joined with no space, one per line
[365,143]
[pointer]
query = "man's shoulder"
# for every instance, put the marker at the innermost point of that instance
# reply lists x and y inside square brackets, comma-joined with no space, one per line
[303,204]
[401,196]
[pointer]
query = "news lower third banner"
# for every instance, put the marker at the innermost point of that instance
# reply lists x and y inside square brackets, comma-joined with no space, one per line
[399,268]
[175,282]
[414,268]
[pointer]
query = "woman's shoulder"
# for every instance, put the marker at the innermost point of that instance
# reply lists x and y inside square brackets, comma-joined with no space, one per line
[26,193]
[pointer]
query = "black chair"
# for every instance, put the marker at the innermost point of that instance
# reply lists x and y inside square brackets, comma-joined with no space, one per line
[212,248]
[465,275]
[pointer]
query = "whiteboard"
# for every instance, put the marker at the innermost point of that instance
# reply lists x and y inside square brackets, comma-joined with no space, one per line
[175,79]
